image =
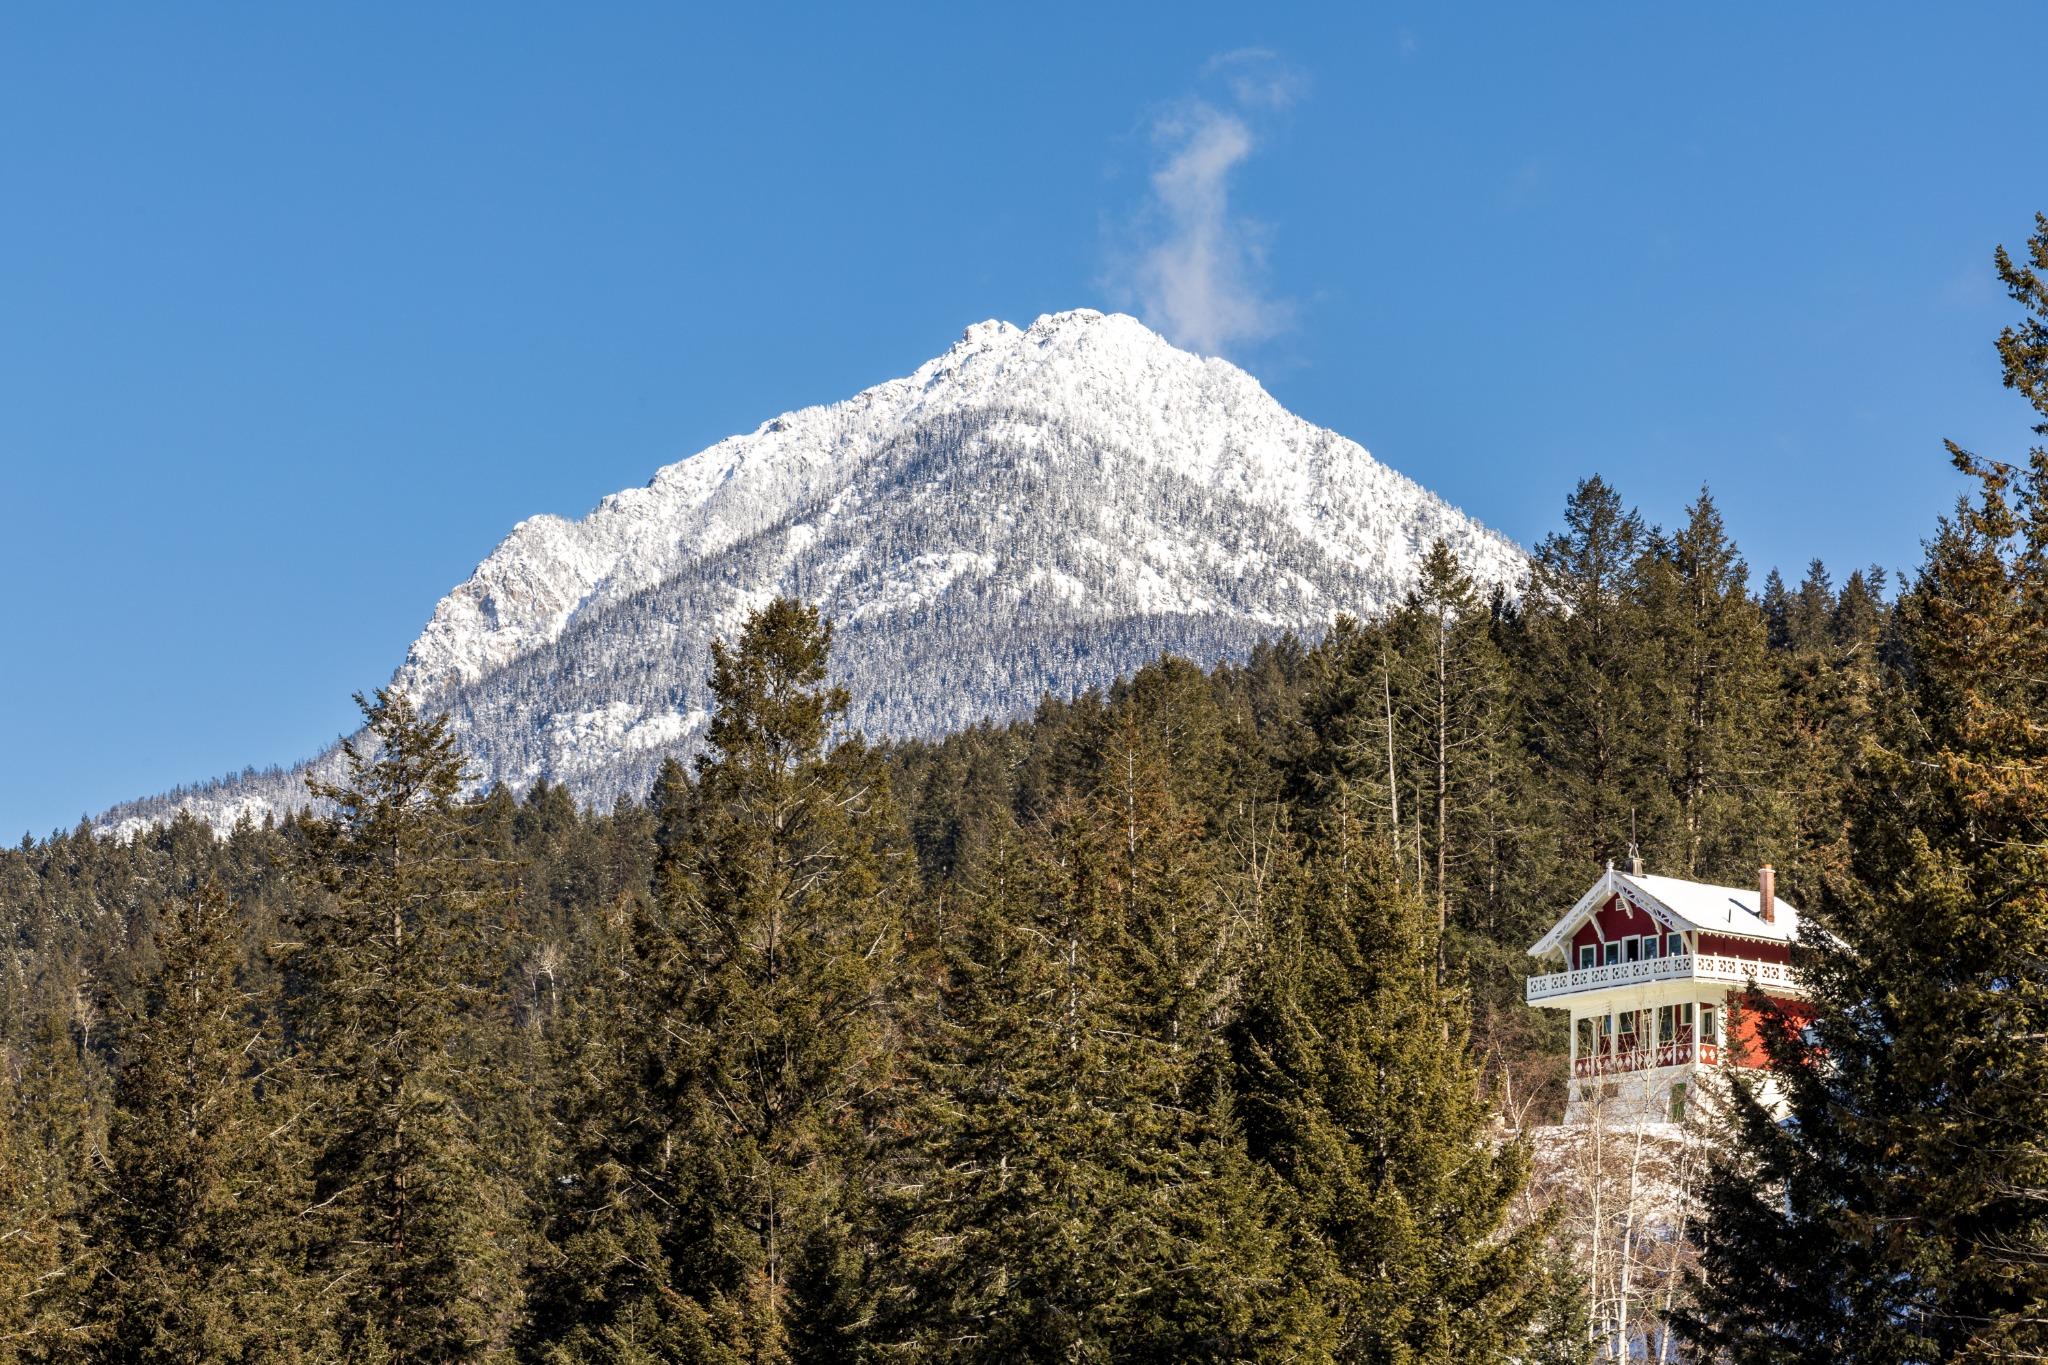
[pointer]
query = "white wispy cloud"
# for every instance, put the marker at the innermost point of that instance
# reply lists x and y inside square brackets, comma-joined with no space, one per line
[1257,78]
[1199,269]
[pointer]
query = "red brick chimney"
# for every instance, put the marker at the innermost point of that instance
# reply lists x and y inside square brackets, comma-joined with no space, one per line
[1767,894]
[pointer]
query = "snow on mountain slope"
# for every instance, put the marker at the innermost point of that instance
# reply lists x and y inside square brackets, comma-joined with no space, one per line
[1035,510]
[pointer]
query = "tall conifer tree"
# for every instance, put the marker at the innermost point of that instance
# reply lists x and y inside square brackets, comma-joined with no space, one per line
[1810,612]
[1452,712]
[1586,675]
[192,1220]
[401,1022]
[785,908]
[1714,695]
[1076,1198]
[1178,938]
[1005,1251]
[49,1144]
[1903,1213]
[1360,1094]
[604,1282]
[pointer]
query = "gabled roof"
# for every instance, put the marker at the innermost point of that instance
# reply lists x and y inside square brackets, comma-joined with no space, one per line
[1683,905]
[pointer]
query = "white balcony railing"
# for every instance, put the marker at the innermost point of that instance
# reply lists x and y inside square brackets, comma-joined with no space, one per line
[1645,1058]
[1715,967]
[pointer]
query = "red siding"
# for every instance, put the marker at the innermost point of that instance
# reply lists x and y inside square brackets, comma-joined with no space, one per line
[1619,919]
[1744,1043]
[1584,938]
[1756,950]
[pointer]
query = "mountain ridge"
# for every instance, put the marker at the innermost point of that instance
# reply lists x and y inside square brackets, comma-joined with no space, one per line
[1034,509]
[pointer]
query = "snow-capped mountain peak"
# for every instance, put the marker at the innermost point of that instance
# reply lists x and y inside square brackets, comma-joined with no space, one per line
[1035,509]
[1200,417]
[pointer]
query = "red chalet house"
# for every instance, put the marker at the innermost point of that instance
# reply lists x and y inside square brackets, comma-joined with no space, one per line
[1646,967]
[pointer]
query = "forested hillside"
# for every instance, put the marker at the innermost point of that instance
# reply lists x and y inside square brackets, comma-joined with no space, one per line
[1035,511]
[1177,1022]
[1169,1023]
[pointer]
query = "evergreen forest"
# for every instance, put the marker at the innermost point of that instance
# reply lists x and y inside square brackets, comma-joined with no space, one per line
[1177,1021]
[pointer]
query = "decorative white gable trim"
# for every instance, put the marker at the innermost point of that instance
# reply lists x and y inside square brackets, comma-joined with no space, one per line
[1708,909]
[1642,900]
[1562,931]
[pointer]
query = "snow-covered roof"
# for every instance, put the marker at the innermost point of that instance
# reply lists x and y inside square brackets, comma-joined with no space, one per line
[1682,905]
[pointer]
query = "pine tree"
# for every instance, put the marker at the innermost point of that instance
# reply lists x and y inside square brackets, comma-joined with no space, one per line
[1203,1223]
[1859,616]
[401,1021]
[1810,612]
[1002,1249]
[1360,1094]
[1585,676]
[1829,695]
[785,909]
[1714,693]
[1176,943]
[1902,1213]
[603,1287]
[31,1239]
[190,1222]
[1453,715]
[1341,761]
[49,1144]
[1777,608]
[1068,1205]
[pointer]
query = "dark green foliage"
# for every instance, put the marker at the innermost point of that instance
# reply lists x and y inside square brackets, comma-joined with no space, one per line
[1359,1092]
[1719,727]
[724,1070]
[48,1141]
[604,1284]
[1900,1215]
[1169,1023]
[1453,694]
[402,1032]
[786,913]
[1080,1191]
[1588,670]
[1018,1206]
[192,1218]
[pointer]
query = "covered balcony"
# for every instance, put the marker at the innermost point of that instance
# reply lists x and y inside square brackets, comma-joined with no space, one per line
[1714,967]
[1645,1058]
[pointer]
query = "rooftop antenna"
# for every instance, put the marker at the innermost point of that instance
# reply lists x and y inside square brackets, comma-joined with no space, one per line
[1635,857]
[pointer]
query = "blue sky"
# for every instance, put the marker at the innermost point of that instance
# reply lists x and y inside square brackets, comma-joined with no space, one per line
[303,306]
